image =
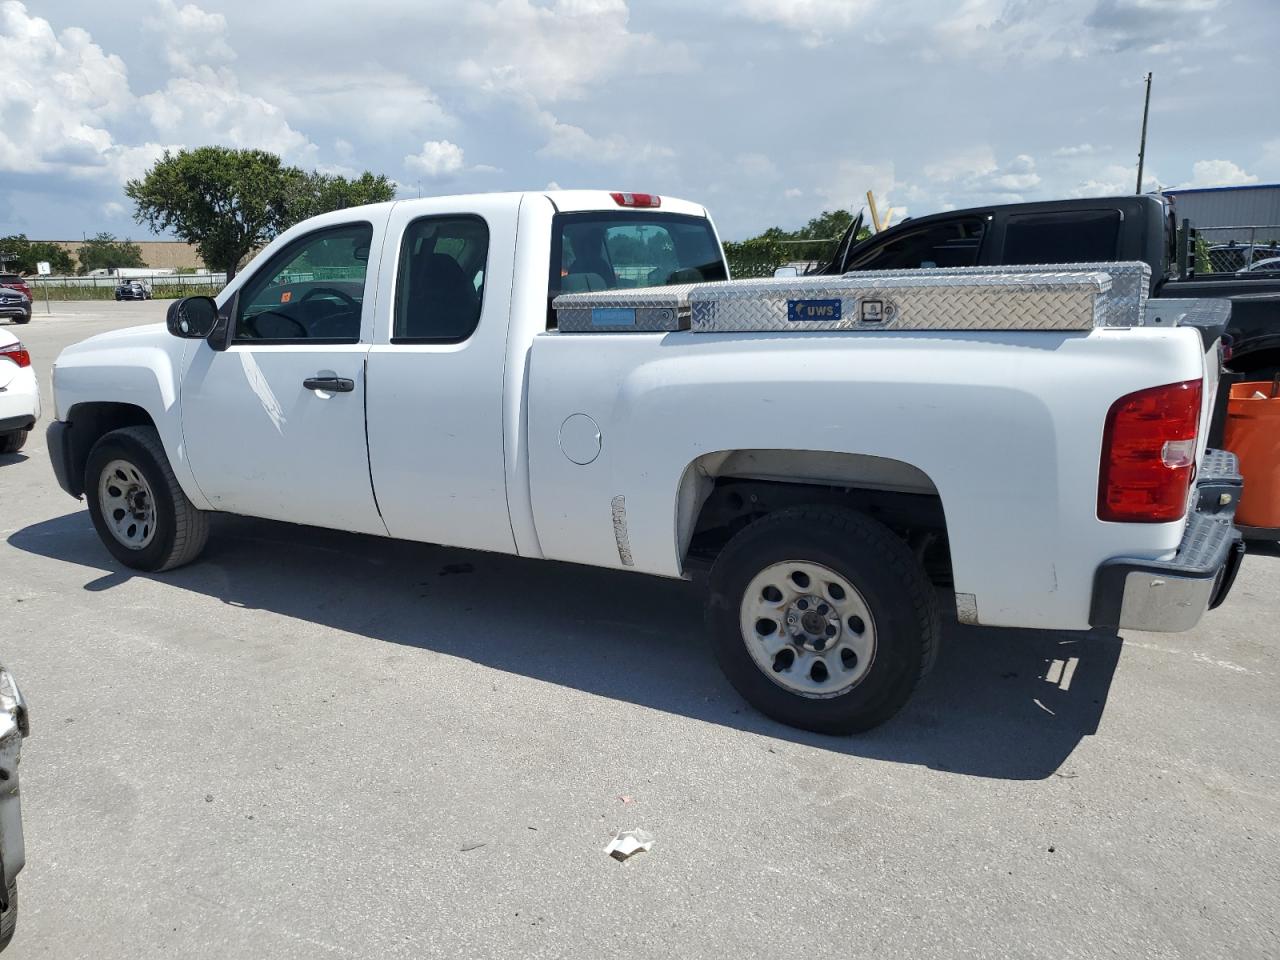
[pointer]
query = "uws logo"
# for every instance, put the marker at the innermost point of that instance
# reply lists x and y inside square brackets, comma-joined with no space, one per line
[818,311]
[813,310]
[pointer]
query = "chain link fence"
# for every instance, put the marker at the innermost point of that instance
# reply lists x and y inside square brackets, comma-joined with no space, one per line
[164,286]
[1243,249]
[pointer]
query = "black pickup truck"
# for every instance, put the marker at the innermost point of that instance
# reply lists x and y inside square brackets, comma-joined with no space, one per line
[1082,231]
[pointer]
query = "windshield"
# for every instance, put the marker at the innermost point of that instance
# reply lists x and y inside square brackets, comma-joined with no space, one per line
[629,249]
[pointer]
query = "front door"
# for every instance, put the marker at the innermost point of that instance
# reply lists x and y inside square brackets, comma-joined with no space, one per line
[274,425]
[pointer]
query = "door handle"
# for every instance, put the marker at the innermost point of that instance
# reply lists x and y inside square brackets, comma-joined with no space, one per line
[329,384]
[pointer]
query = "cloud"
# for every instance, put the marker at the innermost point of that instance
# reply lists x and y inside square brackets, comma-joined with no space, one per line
[1080,150]
[569,142]
[59,96]
[975,175]
[815,20]
[1218,173]
[191,36]
[1154,26]
[208,106]
[438,158]
[555,52]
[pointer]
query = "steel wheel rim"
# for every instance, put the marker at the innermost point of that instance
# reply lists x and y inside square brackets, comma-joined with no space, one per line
[808,629]
[128,505]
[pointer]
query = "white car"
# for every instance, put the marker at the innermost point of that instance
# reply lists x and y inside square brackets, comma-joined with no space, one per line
[19,394]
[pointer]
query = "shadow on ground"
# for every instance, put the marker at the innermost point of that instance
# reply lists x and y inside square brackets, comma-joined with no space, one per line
[1000,703]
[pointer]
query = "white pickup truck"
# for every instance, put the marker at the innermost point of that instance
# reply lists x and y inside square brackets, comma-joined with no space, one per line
[833,450]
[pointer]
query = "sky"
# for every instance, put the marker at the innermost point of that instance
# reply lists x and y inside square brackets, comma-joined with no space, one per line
[766,111]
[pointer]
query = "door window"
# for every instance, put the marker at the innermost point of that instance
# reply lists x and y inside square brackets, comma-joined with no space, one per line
[313,290]
[952,243]
[440,290]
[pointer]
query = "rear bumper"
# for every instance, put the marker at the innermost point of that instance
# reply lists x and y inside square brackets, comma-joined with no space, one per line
[1167,596]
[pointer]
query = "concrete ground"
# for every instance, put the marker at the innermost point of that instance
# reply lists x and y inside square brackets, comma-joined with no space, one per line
[315,744]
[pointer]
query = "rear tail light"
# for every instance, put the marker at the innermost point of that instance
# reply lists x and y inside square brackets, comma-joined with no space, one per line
[1149,454]
[637,199]
[17,353]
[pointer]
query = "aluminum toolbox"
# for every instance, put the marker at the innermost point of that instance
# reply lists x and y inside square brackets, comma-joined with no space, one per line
[646,310]
[1130,282]
[911,300]
[1034,297]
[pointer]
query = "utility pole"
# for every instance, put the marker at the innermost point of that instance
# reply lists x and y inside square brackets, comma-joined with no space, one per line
[1142,144]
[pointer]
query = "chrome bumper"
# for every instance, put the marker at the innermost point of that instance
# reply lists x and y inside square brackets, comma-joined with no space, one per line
[1168,596]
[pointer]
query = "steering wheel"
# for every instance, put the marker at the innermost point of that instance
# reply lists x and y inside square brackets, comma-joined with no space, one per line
[316,291]
[252,324]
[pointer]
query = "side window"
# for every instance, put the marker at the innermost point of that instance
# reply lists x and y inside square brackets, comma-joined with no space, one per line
[311,290]
[953,243]
[1081,236]
[441,280]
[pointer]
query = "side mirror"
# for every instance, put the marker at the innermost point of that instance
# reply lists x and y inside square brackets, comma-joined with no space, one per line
[786,272]
[192,318]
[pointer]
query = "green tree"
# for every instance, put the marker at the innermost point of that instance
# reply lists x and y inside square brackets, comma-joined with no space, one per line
[104,251]
[817,240]
[311,194]
[232,202]
[22,255]
[226,202]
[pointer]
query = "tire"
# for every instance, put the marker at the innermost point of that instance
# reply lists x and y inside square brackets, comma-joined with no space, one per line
[26,319]
[886,631]
[9,919]
[13,441]
[162,528]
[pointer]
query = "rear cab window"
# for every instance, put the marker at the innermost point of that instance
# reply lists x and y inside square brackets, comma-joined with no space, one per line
[627,250]
[1076,236]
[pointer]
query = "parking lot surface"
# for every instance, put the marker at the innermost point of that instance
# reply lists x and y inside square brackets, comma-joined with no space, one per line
[317,744]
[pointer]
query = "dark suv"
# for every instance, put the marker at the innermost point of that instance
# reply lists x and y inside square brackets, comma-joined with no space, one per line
[133,290]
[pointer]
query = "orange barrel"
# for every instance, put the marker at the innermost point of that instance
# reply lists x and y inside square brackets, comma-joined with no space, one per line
[1253,435]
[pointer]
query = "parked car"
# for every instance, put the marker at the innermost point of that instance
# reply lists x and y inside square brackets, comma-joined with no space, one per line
[15,726]
[15,281]
[817,473]
[15,305]
[1270,264]
[19,394]
[133,290]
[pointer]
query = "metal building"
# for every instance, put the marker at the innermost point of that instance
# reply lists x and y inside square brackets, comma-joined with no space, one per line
[1241,225]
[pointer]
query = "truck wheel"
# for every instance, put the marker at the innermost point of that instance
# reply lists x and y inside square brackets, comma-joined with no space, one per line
[9,919]
[822,619]
[13,441]
[137,507]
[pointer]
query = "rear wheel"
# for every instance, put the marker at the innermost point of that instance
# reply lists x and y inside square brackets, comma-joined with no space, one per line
[13,441]
[139,510]
[822,618]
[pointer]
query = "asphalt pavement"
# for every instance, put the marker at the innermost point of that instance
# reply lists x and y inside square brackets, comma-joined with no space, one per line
[315,744]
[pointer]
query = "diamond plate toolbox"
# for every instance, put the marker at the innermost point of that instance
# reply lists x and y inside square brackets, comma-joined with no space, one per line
[648,310]
[962,299]
[1125,305]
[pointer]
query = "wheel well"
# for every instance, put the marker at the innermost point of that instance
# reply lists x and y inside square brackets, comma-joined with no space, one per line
[88,422]
[724,492]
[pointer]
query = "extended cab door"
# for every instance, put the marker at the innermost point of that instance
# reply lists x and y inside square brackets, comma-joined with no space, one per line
[436,372]
[274,425]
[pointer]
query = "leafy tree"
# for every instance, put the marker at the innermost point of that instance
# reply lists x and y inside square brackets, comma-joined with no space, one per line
[760,255]
[226,202]
[232,202]
[311,194]
[22,255]
[105,251]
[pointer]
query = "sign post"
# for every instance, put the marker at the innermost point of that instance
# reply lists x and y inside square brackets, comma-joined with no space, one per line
[43,269]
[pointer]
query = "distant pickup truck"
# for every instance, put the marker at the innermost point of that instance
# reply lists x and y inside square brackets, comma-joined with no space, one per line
[568,375]
[1101,229]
